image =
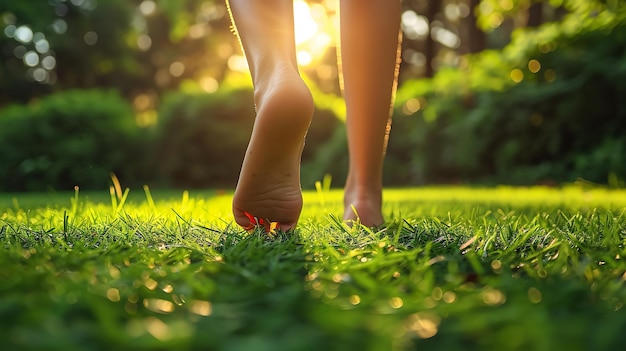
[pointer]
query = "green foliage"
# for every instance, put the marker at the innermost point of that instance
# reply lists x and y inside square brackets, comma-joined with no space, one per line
[201,138]
[77,138]
[74,138]
[63,27]
[491,13]
[114,44]
[331,158]
[549,107]
[455,269]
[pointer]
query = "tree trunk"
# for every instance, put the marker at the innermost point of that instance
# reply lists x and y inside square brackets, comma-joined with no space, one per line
[535,15]
[430,50]
[474,37]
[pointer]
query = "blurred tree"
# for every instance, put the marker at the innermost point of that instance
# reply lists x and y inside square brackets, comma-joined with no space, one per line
[138,47]
[547,107]
[474,41]
[144,48]
[18,47]
[535,15]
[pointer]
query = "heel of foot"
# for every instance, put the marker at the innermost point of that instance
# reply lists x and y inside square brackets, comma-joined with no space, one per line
[366,214]
[269,183]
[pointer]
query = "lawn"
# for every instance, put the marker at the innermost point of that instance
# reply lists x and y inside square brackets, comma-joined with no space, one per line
[456,268]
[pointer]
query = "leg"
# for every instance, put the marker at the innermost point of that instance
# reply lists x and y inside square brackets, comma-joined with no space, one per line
[369,61]
[269,183]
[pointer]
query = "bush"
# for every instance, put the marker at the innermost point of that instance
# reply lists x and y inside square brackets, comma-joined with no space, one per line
[201,138]
[73,138]
[548,108]
[329,158]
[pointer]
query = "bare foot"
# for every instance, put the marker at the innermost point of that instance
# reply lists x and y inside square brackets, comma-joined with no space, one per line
[269,184]
[364,205]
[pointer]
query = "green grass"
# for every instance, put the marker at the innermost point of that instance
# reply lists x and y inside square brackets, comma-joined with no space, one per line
[456,268]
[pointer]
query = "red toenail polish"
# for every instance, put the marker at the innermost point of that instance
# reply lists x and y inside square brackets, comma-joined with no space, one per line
[270,227]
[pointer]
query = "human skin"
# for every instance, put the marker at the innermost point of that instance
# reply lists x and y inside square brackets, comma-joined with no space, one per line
[269,188]
[369,64]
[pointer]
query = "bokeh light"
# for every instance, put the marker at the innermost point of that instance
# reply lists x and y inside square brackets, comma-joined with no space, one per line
[550,75]
[534,66]
[148,7]
[414,26]
[517,75]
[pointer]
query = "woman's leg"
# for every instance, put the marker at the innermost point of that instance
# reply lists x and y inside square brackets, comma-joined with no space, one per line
[269,183]
[369,62]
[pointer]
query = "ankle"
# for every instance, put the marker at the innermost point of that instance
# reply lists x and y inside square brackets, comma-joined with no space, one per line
[273,76]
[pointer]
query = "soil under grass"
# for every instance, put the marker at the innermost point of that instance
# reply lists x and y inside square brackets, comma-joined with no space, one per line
[455,269]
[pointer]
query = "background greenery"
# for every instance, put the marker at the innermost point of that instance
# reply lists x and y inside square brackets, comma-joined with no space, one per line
[491,91]
[154,94]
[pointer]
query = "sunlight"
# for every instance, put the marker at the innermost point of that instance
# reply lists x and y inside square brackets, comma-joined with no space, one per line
[305,26]
[312,26]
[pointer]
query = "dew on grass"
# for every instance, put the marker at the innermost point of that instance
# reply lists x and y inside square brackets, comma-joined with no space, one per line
[449,297]
[150,283]
[341,278]
[157,328]
[424,324]
[27,253]
[159,305]
[93,280]
[317,285]
[542,273]
[114,272]
[396,302]
[201,308]
[178,300]
[355,300]
[534,295]
[437,294]
[429,303]
[113,295]
[492,297]
[311,277]
[332,292]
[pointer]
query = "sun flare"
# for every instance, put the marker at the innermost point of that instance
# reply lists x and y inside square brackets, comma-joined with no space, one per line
[314,32]
[313,28]
[305,25]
